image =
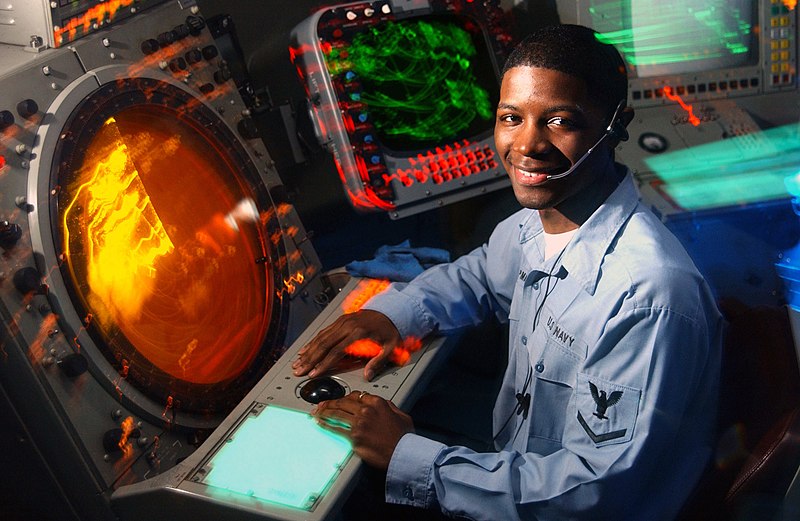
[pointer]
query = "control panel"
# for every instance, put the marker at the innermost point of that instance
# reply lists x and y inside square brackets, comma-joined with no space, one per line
[224,480]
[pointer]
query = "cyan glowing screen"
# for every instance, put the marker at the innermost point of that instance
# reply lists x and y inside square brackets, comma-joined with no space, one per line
[280,456]
[678,36]
[738,170]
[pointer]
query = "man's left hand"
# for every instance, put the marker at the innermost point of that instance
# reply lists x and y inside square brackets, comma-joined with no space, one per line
[373,425]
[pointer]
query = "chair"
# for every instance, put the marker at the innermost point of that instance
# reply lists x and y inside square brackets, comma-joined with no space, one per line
[758,448]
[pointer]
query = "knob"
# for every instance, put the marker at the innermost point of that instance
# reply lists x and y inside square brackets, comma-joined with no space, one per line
[6,119]
[195,24]
[206,88]
[247,128]
[177,64]
[166,38]
[181,31]
[193,56]
[27,280]
[112,437]
[73,365]
[10,233]
[27,108]
[150,46]
[222,75]
[320,389]
[210,52]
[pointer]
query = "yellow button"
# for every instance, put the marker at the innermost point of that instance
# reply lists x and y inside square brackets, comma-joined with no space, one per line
[775,56]
[784,44]
[776,67]
[784,20]
[773,44]
[784,55]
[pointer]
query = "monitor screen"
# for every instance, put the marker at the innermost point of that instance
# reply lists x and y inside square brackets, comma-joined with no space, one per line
[423,81]
[679,36]
[403,94]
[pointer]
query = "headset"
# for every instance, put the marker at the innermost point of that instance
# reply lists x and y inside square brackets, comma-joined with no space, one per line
[616,129]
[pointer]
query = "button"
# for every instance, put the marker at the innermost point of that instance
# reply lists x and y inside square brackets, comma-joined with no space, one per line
[539,367]
[524,340]
[536,285]
[408,493]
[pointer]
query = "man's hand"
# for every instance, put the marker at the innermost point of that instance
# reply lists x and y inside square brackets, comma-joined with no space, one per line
[373,425]
[327,348]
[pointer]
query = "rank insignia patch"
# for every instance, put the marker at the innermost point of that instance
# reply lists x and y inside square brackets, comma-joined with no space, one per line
[606,411]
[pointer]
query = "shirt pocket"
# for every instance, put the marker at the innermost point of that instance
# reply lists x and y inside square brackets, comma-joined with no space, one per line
[553,386]
[607,411]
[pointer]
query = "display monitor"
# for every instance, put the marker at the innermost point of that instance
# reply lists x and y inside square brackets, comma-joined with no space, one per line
[700,49]
[403,94]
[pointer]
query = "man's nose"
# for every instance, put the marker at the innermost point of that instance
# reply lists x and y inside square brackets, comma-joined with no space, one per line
[532,140]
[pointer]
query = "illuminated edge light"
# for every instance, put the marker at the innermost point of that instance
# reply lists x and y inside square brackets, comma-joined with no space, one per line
[738,170]
[694,120]
[278,456]
[96,15]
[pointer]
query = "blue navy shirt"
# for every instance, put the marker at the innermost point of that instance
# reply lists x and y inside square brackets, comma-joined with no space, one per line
[617,341]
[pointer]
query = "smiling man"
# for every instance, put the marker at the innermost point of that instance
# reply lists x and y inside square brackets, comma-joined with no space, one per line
[608,402]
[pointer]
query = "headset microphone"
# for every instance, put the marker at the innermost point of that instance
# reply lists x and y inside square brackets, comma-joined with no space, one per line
[615,128]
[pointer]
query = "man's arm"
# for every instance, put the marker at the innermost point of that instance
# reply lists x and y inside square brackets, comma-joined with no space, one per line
[643,474]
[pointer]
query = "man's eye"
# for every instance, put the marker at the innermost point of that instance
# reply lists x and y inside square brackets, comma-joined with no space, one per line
[508,118]
[561,122]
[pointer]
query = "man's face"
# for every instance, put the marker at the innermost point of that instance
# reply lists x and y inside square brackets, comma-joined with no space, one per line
[545,123]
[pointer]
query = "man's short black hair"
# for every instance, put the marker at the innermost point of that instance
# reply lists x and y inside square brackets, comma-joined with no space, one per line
[575,50]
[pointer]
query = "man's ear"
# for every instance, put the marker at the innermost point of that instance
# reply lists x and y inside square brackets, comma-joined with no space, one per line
[619,127]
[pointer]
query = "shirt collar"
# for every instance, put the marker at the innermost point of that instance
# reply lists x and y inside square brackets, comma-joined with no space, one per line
[584,254]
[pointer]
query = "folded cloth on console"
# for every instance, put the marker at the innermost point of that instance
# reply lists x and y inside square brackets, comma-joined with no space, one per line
[399,263]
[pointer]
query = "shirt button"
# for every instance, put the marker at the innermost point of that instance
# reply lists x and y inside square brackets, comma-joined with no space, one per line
[535,285]
[524,340]
[408,493]
[539,367]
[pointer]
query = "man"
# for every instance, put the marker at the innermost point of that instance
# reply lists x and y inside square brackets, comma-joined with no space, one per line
[608,402]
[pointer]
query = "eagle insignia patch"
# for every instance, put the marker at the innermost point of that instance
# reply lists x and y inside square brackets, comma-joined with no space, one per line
[606,411]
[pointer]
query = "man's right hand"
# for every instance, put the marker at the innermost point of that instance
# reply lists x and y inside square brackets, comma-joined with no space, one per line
[328,347]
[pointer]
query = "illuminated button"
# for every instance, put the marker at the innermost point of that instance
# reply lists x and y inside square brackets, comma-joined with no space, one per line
[774,44]
[775,67]
[349,75]
[784,55]
[386,9]
[375,160]
[368,138]
[785,67]
[369,11]
[774,22]
[363,117]
[351,15]
[775,56]
[784,44]
[784,21]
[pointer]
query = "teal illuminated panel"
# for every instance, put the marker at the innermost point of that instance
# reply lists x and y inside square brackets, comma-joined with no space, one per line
[280,456]
[734,171]
[677,36]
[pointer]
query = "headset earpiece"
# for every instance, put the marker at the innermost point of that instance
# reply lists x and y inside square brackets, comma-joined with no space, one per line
[618,131]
